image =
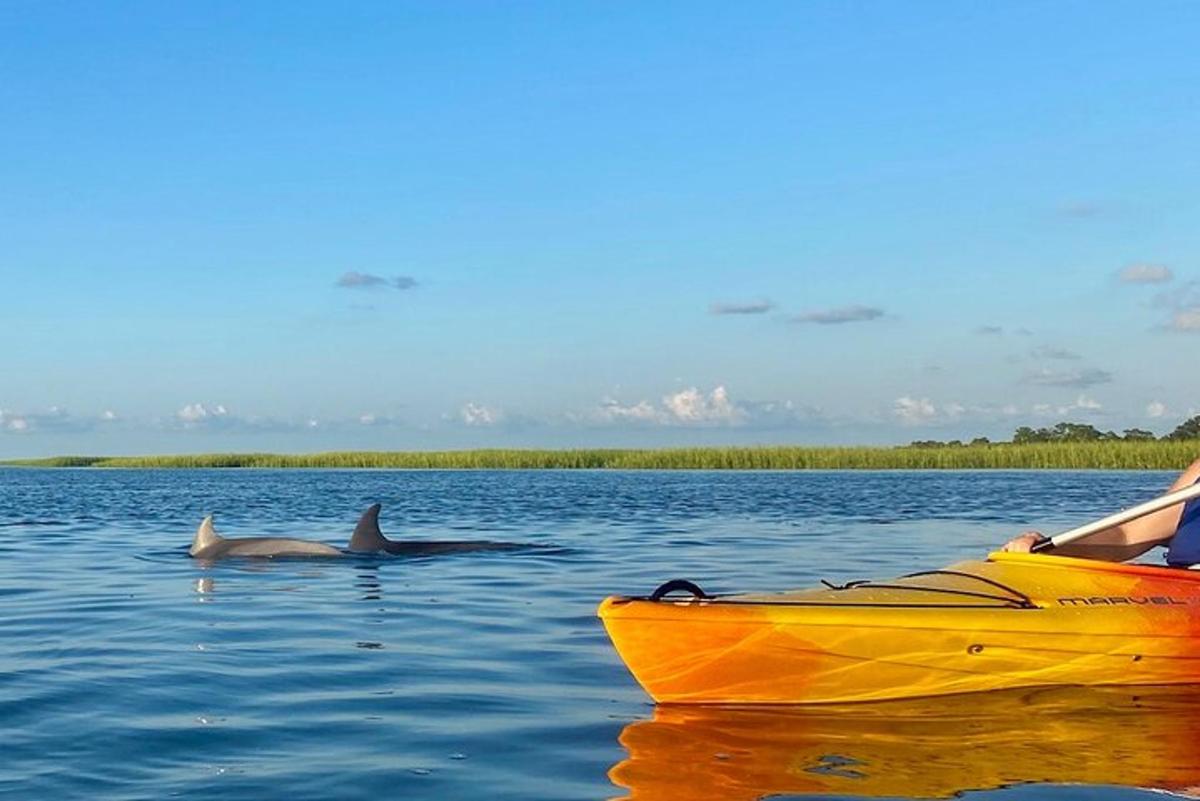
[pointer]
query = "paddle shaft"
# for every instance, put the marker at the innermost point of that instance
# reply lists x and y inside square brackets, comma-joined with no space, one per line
[1132,513]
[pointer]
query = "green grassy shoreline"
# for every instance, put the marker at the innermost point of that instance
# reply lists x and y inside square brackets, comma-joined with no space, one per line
[1158,455]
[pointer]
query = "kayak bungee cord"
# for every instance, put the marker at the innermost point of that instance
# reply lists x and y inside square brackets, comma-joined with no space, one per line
[1015,599]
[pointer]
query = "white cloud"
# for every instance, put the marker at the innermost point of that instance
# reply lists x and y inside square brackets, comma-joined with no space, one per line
[108,415]
[643,412]
[474,414]
[1081,404]
[194,414]
[1156,409]
[689,407]
[11,421]
[1145,274]
[914,411]
[692,406]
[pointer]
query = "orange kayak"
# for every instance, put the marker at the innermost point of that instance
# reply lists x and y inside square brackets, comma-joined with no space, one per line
[1010,621]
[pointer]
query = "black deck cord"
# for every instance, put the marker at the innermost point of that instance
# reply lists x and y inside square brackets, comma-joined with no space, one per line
[1016,603]
[1019,598]
[677,585]
[1020,595]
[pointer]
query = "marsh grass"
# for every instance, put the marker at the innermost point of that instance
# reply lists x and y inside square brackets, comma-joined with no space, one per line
[1158,455]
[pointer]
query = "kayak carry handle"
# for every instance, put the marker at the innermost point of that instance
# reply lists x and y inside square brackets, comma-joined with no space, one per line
[678,585]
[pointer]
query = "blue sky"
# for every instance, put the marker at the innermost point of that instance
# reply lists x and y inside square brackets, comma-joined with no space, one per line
[305,226]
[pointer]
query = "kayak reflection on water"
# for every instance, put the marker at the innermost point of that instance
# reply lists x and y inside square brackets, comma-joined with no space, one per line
[924,748]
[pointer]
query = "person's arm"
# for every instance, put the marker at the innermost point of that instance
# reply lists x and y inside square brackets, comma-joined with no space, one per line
[1121,542]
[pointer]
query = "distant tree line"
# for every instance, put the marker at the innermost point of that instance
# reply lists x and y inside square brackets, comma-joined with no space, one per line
[1074,432]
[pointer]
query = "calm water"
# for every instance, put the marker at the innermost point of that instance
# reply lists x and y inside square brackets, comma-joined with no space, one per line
[128,670]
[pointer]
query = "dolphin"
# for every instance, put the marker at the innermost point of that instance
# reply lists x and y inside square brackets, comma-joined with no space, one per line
[367,538]
[208,544]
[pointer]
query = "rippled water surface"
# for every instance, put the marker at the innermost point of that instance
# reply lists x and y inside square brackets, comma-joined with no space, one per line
[129,670]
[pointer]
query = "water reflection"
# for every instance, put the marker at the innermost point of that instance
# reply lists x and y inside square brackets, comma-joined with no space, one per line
[204,587]
[931,748]
[368,582]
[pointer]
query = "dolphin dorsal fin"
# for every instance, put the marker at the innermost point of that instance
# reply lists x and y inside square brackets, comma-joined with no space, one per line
[206,535]
[367,537]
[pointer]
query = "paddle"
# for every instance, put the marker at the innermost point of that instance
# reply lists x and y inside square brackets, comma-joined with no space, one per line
[1132,513]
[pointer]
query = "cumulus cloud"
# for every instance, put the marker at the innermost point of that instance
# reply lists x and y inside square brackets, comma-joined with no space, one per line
[220,417]
[11,421]
[914,411]
[1081,404]
[1143,273]
[910,410]
[196,414]
[688,407]
[1077,379]
[642,412]
[475,414]
[1156,409]
[753,307]
[693,406]
[357,280]
[845,314]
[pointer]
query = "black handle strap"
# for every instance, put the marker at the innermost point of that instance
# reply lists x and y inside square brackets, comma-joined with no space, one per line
[678,585]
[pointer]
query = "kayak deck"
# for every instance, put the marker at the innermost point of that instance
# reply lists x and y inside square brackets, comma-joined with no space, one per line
[1011,621]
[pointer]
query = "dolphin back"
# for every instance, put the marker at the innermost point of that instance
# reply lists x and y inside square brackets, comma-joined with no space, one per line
[367,538]
[208,544]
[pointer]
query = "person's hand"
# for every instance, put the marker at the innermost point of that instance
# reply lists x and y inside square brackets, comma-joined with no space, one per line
[1024,543]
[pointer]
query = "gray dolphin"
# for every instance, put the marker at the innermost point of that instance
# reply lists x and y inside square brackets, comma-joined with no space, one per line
[367,538]
[208,544]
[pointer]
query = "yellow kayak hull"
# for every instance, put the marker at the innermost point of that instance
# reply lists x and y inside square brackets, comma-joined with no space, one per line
[1011,621]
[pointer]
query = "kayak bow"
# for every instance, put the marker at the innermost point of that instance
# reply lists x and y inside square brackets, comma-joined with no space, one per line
[1012,621]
